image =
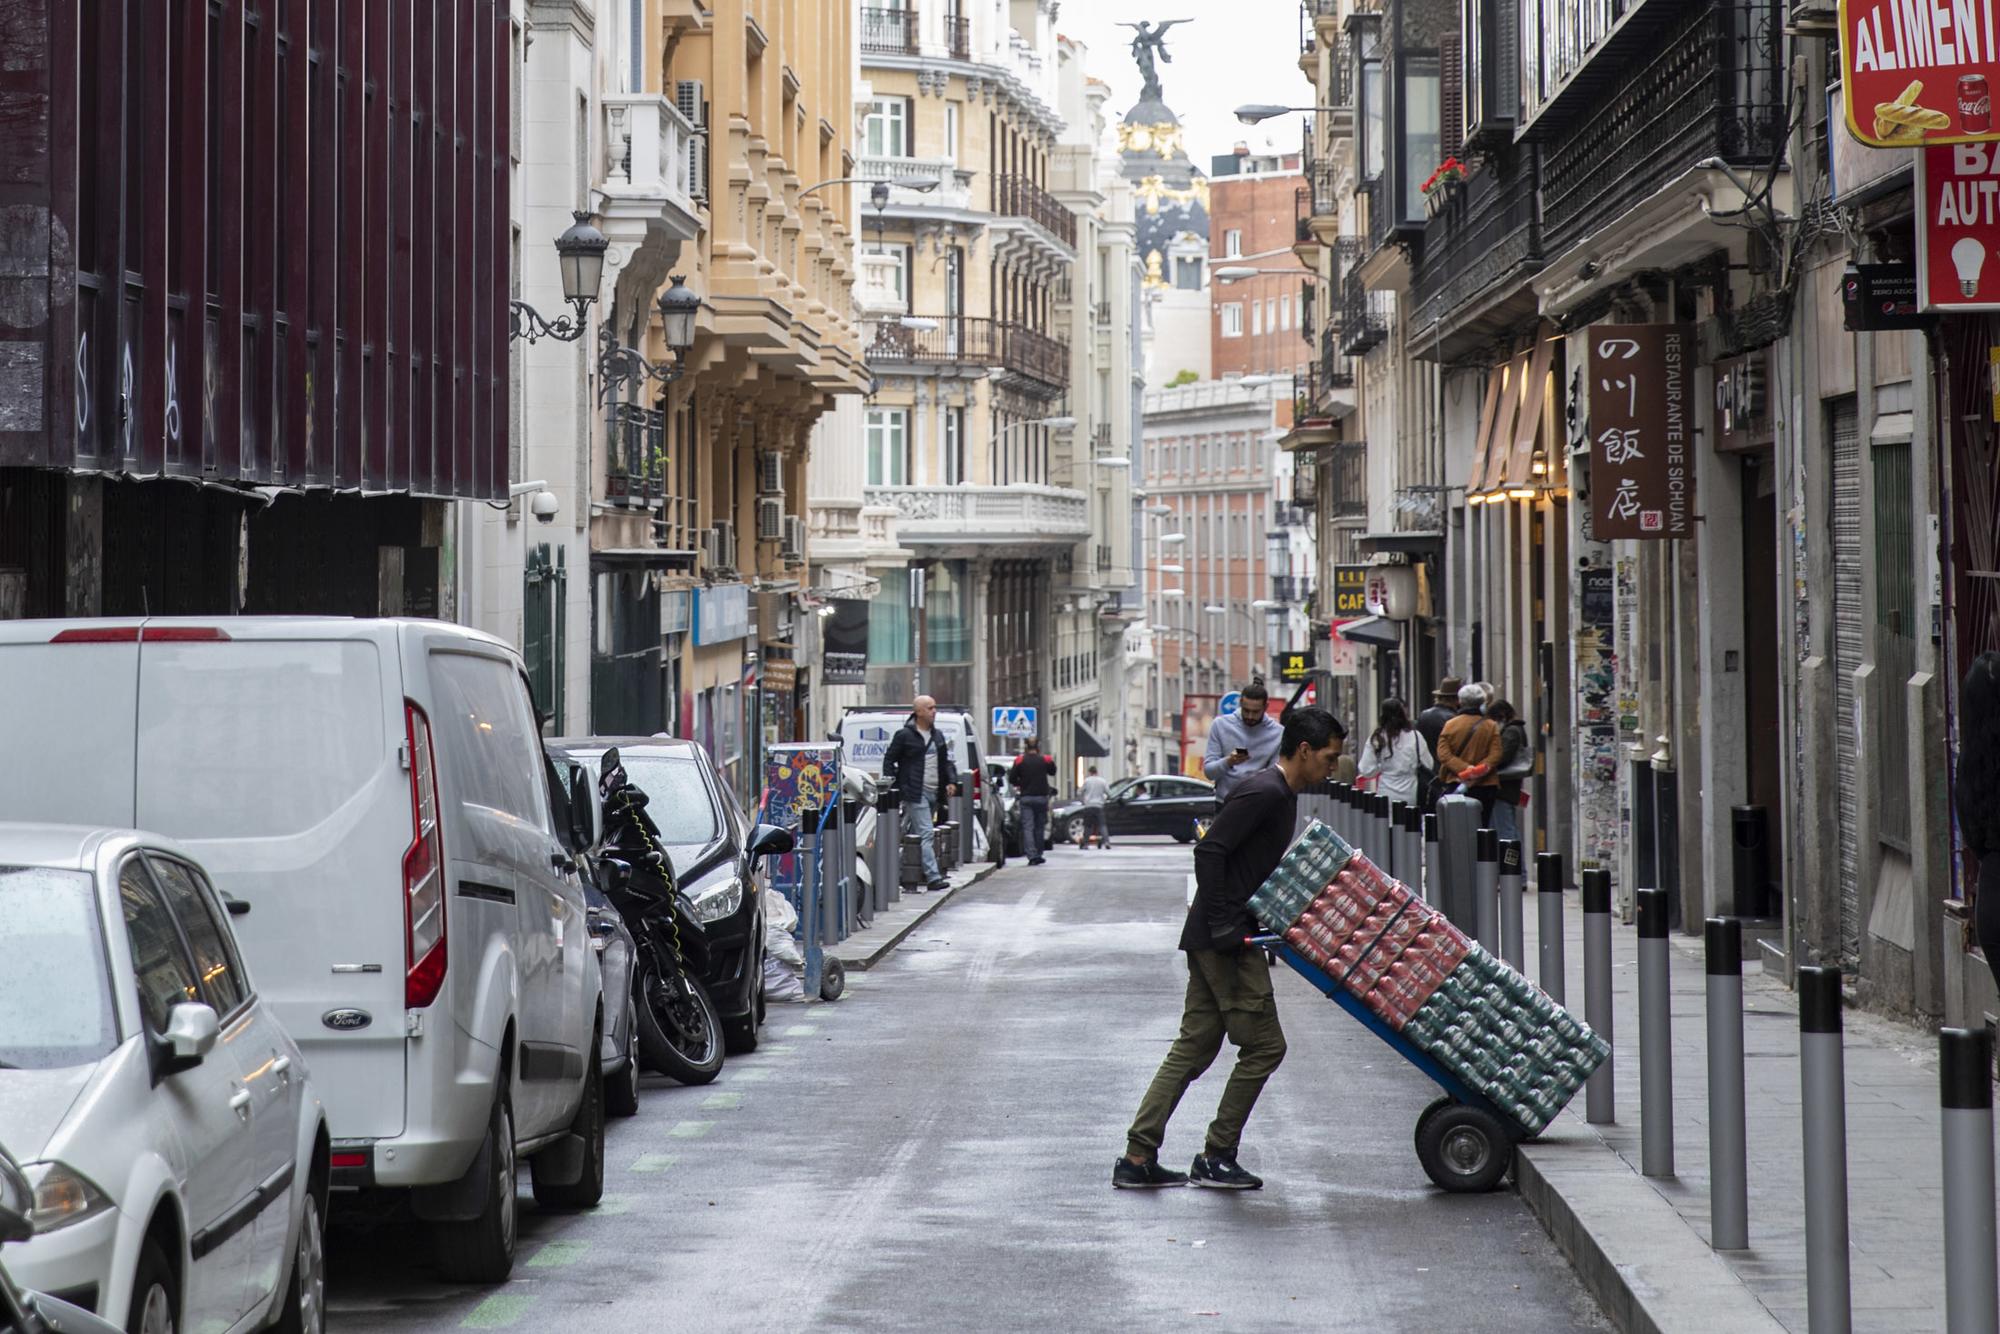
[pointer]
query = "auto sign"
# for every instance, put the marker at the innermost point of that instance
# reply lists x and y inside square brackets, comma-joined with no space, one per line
[1919,71]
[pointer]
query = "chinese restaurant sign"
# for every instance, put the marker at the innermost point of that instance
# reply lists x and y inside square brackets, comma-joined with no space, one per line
[1919,71]
[1958,230]
[1641,431]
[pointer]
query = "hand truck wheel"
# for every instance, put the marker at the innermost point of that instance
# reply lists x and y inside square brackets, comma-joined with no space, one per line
[1464,1149]
[832,979]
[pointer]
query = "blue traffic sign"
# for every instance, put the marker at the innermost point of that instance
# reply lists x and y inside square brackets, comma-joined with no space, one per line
[1014,721]
[1229,703]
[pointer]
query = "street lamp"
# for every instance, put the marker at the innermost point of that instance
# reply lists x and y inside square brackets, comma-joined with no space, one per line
[619,367]
[1236,273]
[1255,113]
[580,258]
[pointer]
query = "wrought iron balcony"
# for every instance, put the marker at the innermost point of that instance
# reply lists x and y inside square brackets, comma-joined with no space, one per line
[1364,317]
[1485,236]
[1291,589]
[888,32]
[637,463]
[1020,197]
[1714,87]
[1305,480]
[976,341]
[1349,464]
[958,32]
[1034,355]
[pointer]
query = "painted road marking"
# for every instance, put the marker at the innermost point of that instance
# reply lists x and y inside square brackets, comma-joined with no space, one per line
[556,1254]
[722,1102]
[756,1075]
[615,1204]
[653,1162]
[776,1049]
[498,1311]
[801,1031]
[691,1129]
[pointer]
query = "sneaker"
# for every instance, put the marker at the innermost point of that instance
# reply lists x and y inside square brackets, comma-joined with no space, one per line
[937,885]
[1128,1175]
[1221,1173]
[1037,861]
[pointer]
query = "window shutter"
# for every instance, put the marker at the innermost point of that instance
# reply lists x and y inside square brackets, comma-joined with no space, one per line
[1451,91]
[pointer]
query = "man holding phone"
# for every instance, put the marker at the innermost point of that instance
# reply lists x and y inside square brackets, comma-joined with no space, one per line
[1242,743]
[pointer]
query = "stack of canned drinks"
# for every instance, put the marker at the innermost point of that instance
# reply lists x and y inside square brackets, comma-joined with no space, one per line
[1503,1036]
[1425,979]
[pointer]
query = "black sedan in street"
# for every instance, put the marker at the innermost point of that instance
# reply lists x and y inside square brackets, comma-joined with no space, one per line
[707,836]
[1153,804]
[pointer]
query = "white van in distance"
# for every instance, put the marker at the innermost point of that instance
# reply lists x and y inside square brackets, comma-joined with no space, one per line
[376,792]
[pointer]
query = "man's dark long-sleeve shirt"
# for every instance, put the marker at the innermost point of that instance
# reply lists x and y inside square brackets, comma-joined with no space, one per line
[1242,847]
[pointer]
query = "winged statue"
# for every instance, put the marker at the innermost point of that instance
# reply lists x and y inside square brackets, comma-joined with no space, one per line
[1149,41]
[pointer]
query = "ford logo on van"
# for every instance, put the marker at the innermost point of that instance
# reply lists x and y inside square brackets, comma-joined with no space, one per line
[345,1020]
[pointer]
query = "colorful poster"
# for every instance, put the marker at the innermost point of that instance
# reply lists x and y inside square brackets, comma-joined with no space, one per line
[1919,73]
[1198,713]
[797,777]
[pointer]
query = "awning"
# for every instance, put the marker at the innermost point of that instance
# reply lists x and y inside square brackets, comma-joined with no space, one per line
[643,558]
[1088,744]
[1373,631]
[1421,542]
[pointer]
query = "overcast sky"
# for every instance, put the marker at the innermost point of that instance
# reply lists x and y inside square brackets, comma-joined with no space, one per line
[1234,51]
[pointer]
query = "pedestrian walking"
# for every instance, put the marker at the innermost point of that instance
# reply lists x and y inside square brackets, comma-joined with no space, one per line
[1229,984]
[1242,743]
[1978,796]
[1517,761]
[918,765]
[1469,751]
[1031,775]
[1096,792]
[1396,756]
[1430,725]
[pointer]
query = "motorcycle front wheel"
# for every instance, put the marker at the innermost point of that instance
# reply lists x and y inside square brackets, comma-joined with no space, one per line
[680,1030]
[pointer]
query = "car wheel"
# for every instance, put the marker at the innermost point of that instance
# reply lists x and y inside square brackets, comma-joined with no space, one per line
[621,1086]
[155,1294]
[588,1187]
[304,1311]
[1076,830]
[481,1249]
[739,1035]
[1187,834]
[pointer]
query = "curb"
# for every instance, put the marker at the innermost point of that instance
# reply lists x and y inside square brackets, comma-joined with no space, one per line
[1648,1270]
[861,963]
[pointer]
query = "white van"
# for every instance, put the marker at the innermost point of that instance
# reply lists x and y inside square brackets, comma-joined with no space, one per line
[376,792]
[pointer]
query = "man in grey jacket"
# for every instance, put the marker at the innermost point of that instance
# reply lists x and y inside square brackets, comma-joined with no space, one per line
[1241,743]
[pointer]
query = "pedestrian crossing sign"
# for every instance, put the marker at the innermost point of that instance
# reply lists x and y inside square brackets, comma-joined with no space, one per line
[1017,721]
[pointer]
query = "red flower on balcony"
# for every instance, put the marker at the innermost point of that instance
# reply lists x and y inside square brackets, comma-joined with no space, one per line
[1449,171]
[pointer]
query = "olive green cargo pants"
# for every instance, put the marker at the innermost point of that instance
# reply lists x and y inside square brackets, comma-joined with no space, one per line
[1228,995]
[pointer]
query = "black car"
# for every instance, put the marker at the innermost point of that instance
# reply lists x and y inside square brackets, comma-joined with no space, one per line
[708,837]
[1155,804]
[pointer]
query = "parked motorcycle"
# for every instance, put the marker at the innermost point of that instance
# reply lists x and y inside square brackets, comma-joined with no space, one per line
[680,1029]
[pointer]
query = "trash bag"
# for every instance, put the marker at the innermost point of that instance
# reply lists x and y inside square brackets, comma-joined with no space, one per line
[784,962]
[783,983]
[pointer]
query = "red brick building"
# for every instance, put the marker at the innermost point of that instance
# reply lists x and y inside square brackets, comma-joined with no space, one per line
[1254,322]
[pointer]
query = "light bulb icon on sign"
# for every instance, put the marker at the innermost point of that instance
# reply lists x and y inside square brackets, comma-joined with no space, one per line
[1968,257]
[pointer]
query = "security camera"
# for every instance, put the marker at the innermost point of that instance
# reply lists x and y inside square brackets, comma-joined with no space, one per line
[543,505]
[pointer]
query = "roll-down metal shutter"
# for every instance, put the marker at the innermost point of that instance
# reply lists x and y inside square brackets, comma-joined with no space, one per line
[1848,635]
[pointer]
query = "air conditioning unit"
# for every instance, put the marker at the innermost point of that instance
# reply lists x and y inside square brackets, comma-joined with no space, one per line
[770,519]
[720,547]
[770,473]
[691,100]
[792,546]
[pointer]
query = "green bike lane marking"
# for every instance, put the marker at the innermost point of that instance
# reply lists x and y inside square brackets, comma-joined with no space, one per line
[653,1162]
[556,1254]
[498,1311]
[723,1101]
[691,1129]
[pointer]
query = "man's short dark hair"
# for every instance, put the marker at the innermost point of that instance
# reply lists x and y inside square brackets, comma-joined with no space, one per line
[1255,690]
[1034,743]
[1308,727]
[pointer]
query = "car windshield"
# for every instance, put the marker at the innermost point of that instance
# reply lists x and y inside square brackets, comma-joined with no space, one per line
[679,801]
[1122,786]
[55,1000]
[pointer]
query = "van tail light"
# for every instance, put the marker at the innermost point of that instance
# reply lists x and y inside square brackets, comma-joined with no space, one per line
[98,634]
[183,634]
[423,871]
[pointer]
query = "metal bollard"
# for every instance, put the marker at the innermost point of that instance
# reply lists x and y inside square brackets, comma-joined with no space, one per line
[1549,922]
[1429,821]
[1656,1040]
[1513,940]
[961,806]
[1600,1101]
[888,851]
[1965,1112]
[1377,807]
[1486,883]
[1458,844]
[1411,856]
[1392,840]
[1336,817]
[1823,1105]
[829,879]
[1728,1149]
[809,852]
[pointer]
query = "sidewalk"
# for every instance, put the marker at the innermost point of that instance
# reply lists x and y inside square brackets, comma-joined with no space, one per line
[1641,1245]
[864,949]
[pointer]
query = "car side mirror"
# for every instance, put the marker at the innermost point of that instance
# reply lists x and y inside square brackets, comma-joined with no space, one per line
[582,808]
[17,1201]
[191,1032]
[237,907]
[771,840]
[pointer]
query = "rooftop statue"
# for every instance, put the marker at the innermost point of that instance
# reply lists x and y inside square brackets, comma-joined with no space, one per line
[1150,40]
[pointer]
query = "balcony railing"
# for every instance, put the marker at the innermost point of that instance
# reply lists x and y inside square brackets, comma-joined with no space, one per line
[974,515]
[1290,588]
[951,187]
[1487,232]
[1100,440]
[1290,516]
[958,32]
[888,32]
[1364,317]
[974,340]
[1714,89]
[1020,197]
[1305,481]
[647,157]
[636,466]
[1349,464]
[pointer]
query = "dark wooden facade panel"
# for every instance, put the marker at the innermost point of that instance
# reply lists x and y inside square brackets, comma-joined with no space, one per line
[256,240]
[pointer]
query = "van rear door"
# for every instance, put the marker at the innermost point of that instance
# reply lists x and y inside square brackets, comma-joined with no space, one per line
[271,749]
[67,728]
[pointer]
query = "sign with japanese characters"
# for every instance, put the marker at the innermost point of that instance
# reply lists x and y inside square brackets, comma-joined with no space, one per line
[1641,379]
[1920,71]
[1958,227]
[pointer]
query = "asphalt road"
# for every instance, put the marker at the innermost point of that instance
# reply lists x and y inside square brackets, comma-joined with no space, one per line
[933,1152]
